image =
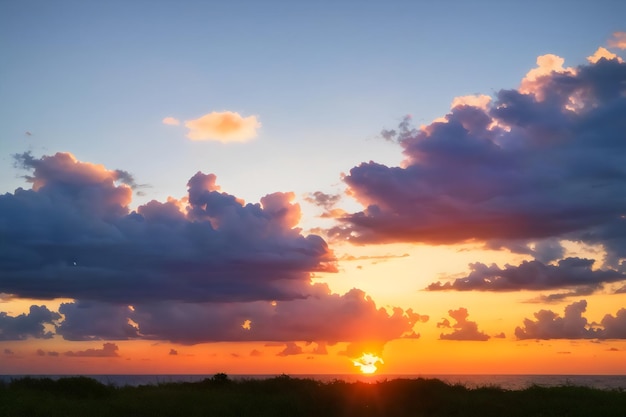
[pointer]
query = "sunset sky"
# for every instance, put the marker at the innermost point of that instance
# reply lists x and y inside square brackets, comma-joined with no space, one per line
[282,187]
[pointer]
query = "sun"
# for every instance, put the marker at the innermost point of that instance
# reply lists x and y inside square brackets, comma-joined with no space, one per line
[367,362]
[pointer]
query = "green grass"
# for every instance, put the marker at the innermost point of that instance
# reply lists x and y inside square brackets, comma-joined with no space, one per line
[285,396]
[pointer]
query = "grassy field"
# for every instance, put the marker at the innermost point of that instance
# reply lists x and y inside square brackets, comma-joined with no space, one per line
[285,396]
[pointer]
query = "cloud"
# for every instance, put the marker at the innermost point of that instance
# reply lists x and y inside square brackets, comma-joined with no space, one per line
[618,40]
[557,297]
[614,327]
[531,275]
[463,328]
[171,121]
[173,352]
[327,201]
[89,320]
[27,325]
[74,236]
[41,352]
[224,127]
[109,350]
[321,317]
[187,271]
[549,325]
[290,349]
[8,352]
[545,161]
[621,290]
[602,53]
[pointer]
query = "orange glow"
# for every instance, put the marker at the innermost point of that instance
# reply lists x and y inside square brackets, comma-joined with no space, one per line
[367,362]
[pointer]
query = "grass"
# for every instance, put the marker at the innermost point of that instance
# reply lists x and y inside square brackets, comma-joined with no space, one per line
[285,396]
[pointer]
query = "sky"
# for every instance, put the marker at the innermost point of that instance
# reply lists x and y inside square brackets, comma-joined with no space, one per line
[312,187]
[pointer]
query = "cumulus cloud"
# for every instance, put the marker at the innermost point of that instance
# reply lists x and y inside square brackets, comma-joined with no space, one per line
[572,325]
[187,271]
[463,329]
[531,275]
[602,53]
[321,317]
[88,320]
[544,161]
[73,236]
[618,40]
[224,127]
[171,121]
[28,325]
[109,350]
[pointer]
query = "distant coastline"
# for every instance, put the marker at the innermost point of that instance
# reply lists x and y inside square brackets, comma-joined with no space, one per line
[507,382]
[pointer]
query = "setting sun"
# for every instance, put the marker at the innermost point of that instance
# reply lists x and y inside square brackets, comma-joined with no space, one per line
[367,362]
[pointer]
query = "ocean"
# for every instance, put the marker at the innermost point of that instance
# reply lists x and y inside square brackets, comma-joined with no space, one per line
[509,382]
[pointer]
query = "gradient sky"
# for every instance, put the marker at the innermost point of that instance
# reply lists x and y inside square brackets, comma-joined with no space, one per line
[267,187]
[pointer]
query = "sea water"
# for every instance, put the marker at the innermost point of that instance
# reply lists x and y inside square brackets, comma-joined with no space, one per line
[509,382]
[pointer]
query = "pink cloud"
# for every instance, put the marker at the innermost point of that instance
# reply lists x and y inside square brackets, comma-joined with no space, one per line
[224,127]
[618,40]
[601,53]
[171,121]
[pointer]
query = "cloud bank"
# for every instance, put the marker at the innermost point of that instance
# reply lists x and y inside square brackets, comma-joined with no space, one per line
[207,267]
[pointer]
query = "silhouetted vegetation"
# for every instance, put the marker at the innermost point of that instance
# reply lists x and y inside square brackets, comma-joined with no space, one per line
[286,396]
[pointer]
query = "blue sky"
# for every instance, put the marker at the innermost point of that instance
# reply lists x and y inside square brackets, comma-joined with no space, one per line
[96,78]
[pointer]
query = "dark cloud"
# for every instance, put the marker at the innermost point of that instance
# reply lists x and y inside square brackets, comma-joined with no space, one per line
[291,348]
[463,328]
[327,201]
[109,350]
[322,317]
[73,236]
[41,352]
[173,352]
[545,161]
[560,296]
[27,325]
[532,275]
[88,320]
[614,327]
[549,325]
[8,352]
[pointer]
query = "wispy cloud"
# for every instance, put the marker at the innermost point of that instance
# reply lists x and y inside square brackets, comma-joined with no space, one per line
[618,40]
